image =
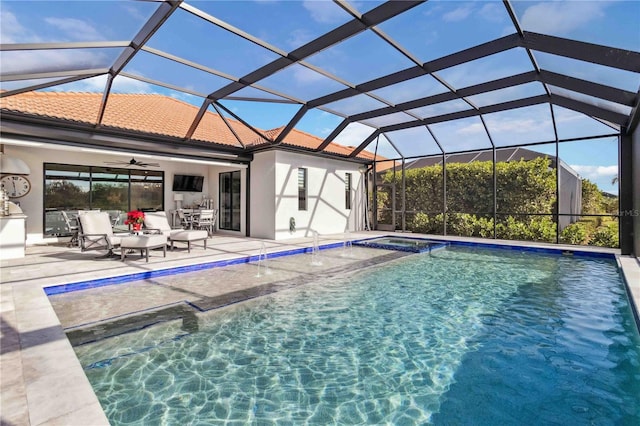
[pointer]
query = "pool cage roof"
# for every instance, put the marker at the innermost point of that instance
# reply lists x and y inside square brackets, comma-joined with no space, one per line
[399,78]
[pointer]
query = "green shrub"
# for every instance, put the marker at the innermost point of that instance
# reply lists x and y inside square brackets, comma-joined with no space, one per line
[523,186]
[469,225]
[605,236]
[426,224]
[576,234]
[543,228]
[534,228]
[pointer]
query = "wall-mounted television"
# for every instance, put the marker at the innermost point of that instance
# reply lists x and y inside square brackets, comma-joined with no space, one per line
[188,183]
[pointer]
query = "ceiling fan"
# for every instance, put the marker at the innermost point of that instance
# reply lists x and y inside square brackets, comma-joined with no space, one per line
[133,162]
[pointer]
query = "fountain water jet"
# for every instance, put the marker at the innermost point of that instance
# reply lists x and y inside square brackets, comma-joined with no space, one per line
[262,261]
[315,253]
[347,247]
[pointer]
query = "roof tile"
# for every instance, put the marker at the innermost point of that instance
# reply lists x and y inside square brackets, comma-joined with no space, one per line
[157,114]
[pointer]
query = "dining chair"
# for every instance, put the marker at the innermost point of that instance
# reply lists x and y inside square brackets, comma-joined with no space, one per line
[185,221]
[205,220]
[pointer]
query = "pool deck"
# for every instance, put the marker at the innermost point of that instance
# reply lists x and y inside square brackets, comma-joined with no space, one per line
[42,381]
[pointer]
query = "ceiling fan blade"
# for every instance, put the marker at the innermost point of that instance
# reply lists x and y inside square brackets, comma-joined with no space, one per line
[133,162]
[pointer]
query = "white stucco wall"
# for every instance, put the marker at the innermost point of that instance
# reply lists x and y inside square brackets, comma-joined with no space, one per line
[263,201]
[33,203]
[326,212]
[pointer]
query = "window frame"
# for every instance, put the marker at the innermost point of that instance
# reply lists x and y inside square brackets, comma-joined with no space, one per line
[303,188]
[348,181]
[92,176]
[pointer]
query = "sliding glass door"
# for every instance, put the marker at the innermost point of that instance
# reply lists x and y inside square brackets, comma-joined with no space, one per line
[230,201]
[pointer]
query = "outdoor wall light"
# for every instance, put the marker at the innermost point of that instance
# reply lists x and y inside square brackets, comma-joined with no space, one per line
[12,165]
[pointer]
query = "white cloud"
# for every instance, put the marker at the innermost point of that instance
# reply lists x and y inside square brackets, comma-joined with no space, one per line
[299,37]
[53,60]
[353,134]
[75,29]
[304,75]
[122,84]
[595,172]
[135,13]
[11,31]
[561,17]
[493,11]
[94,84]
[459,14]
[324,11]
[471,129]
[526,125]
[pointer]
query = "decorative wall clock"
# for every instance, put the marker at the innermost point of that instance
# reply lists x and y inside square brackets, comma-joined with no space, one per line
[15,185]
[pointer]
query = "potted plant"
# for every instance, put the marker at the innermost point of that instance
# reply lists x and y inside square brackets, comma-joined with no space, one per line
[135,218]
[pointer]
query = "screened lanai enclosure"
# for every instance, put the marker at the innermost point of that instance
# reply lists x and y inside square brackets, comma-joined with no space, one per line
[495,119]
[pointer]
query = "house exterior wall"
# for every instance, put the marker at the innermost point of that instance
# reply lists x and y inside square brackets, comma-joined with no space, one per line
[262,201]
[276,173]
[32,204]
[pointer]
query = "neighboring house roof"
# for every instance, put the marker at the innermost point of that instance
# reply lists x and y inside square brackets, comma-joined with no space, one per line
[502,155]
[158,114]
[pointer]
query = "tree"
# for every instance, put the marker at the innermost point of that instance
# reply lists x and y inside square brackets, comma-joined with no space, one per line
[592,200]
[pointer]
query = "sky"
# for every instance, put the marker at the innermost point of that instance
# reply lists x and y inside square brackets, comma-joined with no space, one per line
[429,31]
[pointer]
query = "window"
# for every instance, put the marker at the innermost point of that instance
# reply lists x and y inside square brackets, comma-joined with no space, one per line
[347,191]
[302,189]
[71,188]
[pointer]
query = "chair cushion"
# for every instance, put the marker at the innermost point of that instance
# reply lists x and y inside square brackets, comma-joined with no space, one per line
[157,220]
[143,241]
[188,235]
[95,223]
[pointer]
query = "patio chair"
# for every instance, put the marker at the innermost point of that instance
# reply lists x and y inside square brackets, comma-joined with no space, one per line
[72,226]
[205,220]
[184,220]
[157,222]
[95,233]
[115,216]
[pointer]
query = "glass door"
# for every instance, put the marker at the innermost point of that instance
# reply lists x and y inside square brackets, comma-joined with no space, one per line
[229,201]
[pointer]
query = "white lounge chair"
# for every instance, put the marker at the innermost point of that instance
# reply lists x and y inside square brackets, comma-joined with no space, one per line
[95,232]
[158,222]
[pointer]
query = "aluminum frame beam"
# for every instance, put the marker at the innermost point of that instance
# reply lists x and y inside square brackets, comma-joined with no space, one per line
[622,59]
[153,24]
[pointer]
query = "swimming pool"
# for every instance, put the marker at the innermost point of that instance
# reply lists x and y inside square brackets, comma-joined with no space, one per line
[457,336]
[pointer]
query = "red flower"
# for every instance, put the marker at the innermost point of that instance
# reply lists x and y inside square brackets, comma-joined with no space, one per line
[134,216]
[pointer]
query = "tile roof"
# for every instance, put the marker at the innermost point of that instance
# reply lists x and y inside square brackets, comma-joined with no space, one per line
[156,114]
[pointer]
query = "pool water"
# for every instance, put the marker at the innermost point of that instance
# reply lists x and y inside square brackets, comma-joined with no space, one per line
[457,336]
